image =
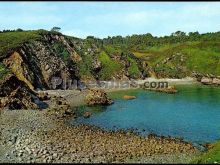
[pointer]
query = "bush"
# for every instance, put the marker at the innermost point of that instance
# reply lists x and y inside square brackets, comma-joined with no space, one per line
[12,40]
[109,66]
[3,71]
[133,69]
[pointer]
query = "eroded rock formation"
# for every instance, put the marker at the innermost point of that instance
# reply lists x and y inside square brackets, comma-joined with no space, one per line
[97,97]
[15,94]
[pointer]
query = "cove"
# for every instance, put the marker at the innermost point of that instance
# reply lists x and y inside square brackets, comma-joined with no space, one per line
[192,114]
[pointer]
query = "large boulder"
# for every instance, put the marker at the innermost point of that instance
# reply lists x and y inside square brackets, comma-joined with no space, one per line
[216,81]
[206,80]
[60,108]
[97,97]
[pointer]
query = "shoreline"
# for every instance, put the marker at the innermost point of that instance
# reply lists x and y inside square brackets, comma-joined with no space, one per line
[35,136]
[30,130]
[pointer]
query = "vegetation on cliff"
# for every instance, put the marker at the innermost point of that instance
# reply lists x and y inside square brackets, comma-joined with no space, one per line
[175,56]
[3,71]
[109,66]
[12,40]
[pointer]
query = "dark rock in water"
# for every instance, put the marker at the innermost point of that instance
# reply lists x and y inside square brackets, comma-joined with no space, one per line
[170,90]
[97,97]
[87,114]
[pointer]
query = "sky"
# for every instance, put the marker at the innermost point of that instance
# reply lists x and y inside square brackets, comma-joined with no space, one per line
[103,19]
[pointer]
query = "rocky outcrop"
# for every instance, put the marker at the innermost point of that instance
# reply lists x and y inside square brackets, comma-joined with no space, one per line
[15,94]
[169,89]
[210,80]
[97,97]
[37,62]
[17,65]
[60,108]
[216,81]
[206,80]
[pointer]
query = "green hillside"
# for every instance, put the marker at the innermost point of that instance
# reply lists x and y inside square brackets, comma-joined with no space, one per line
[174,56]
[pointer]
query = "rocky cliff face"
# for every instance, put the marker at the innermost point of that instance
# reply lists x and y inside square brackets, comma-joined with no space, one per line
[33,65]
[15,94]
[37,62]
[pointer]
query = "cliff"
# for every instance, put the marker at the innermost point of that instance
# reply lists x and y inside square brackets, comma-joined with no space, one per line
[34,58]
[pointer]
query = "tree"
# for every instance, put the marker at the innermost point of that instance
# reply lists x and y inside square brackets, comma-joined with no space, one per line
[19,30]
[55,29]
[179,34]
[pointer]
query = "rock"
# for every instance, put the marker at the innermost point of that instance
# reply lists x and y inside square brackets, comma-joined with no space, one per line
[170,90]
[216,81]
[87,114]
[61,102]
[127,97]
[43,96]
[96,97]
[206,80]
[15,94]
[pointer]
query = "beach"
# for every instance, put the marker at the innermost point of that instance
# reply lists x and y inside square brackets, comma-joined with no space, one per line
[38,136]
[35,136]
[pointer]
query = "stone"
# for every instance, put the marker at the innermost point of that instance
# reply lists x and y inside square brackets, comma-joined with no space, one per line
[127,97]
[97,97]
[15,94]
[206,80]
[216,81]
[87,114]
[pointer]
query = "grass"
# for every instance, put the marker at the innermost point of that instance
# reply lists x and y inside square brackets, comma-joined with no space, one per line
[85,67]
[210,157]
[3,71]
[12,40]
[133,70]
[109,66]
[202,57]
[61,51]
[203,61]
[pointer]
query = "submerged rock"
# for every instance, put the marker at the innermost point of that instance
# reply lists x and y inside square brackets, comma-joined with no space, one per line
[87,114]
[97,97]
[170,89]
[127,97]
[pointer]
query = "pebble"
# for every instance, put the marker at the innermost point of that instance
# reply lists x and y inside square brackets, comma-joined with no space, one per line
[53,141]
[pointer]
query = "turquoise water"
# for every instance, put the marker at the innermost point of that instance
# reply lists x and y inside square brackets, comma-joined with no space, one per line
[192,114]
